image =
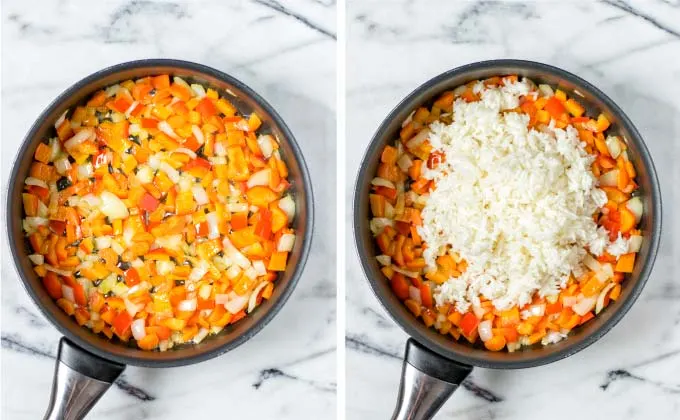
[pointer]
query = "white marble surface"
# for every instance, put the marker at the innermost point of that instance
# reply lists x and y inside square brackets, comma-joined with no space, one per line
[287,371]
[632,52]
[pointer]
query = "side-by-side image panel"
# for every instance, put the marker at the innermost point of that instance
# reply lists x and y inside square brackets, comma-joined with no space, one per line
[170,214]
[504,209]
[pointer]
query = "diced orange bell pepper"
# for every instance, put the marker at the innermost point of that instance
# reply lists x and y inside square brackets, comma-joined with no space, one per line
[277,262]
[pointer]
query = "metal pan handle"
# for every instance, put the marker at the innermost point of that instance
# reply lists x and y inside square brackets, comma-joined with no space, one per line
[80,379]
[427,381]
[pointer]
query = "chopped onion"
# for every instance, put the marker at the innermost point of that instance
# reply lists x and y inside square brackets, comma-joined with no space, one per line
[221,299]
[134,129]
[188,305]
[613,146]
[237,207]
[172,173]
[635,207]
[67,291]
[407,273]
[599,305]
[259,178]
[634,243]
[546,91]
[92,200]
[534,310]
[102,242]
[213,225]
[200,270]
[234,271]
[218,160]
[380,182]
[198,134]
[62,165]
[414,293]
[164,267]
[252,301]
[404,162]
[81,136]
[266,143]
[220,149]
[233,253]
[288,206]
[55,148]
[186,151]
[200,195]
[260,268]
[484,328]
[478,310]
[198,90]
[408,119]
[377,224]
[85,171]
[117,248]
[591,263]
[34,222]
[605,273]
[201,335]
[112,206]
[138,328]
[36,182]
[182,82]
[60,120]
[583,306]
[112,90]
[167,129]
[155,161]
[37,259]
[609,179]
[145,174]
[236,303]
[384,260]
[131,308]
[43,211]
[552,337]
[131,108]
[418,138]
[286,242]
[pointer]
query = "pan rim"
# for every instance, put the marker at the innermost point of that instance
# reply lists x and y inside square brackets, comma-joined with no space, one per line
[297,155]
[413,327]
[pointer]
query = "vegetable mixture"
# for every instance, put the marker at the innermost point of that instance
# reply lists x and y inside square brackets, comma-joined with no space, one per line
[158,215]
[400,192]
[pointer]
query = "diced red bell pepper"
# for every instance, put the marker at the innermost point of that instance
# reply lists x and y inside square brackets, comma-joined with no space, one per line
[58,227]
[263,228]
[399,286]
[469,323]
[148,202]
[149,123]
[52,284]
[206,107]
[197,163]
[79,294]
[122,322]
[121,104]
[555,108]
[131,277]
[202,229]
[100,159]
[435,159]
[426,295]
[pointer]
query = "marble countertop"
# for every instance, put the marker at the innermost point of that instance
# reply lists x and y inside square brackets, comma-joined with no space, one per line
[631,51]
[285,53]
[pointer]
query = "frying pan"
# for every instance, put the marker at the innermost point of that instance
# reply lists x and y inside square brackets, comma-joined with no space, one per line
[87,364]
[434,365]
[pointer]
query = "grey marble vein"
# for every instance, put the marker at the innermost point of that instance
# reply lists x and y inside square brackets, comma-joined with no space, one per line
[280,8]
[622,5]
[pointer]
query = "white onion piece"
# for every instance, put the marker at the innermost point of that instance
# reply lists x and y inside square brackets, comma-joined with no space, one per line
[131,108]
[34,222]
[112,90]
[599,305]
[377,224]
[36,182]
[407,273]
[60,120]
[164,267]
[288,206]
[117,248]
[546,91]
[266,143]
[167,129]
[198,134]
[613,146]
[414,293]
[103,242]
[605,273]
[58,270]
[478,310]
[221,299]
[591,263]
[260,268]
[404,162]
[569,301]
[112,206]
[634,243]
[552,337]
[43,211]
[134,129]
[85,171]
[237,207]
[186,151]
[138,329]
[260,178]
[81,136]
[236,303]
[200,270]
[67,291]
[534,310]
[213,225]
[198,90]
[92,200]
[188,305]
[55,148]
[286,242]
[609,179]
[233,253]
[200,195]
[584,305]
[172,173]
[155,161]
[384,260]
[131,308]
[408,119]
[418,138]
[252,301]
[62,165]
[182,82]
[234,270]
[200,335]
[380,182]
[484,328]
[37,259]
[220,149]
[635,207]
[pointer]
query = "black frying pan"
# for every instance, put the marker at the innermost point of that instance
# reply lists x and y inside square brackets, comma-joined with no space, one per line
[87,363]
[434,365]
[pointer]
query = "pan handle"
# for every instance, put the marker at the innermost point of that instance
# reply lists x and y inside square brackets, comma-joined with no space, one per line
[80,379]
[427,381]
